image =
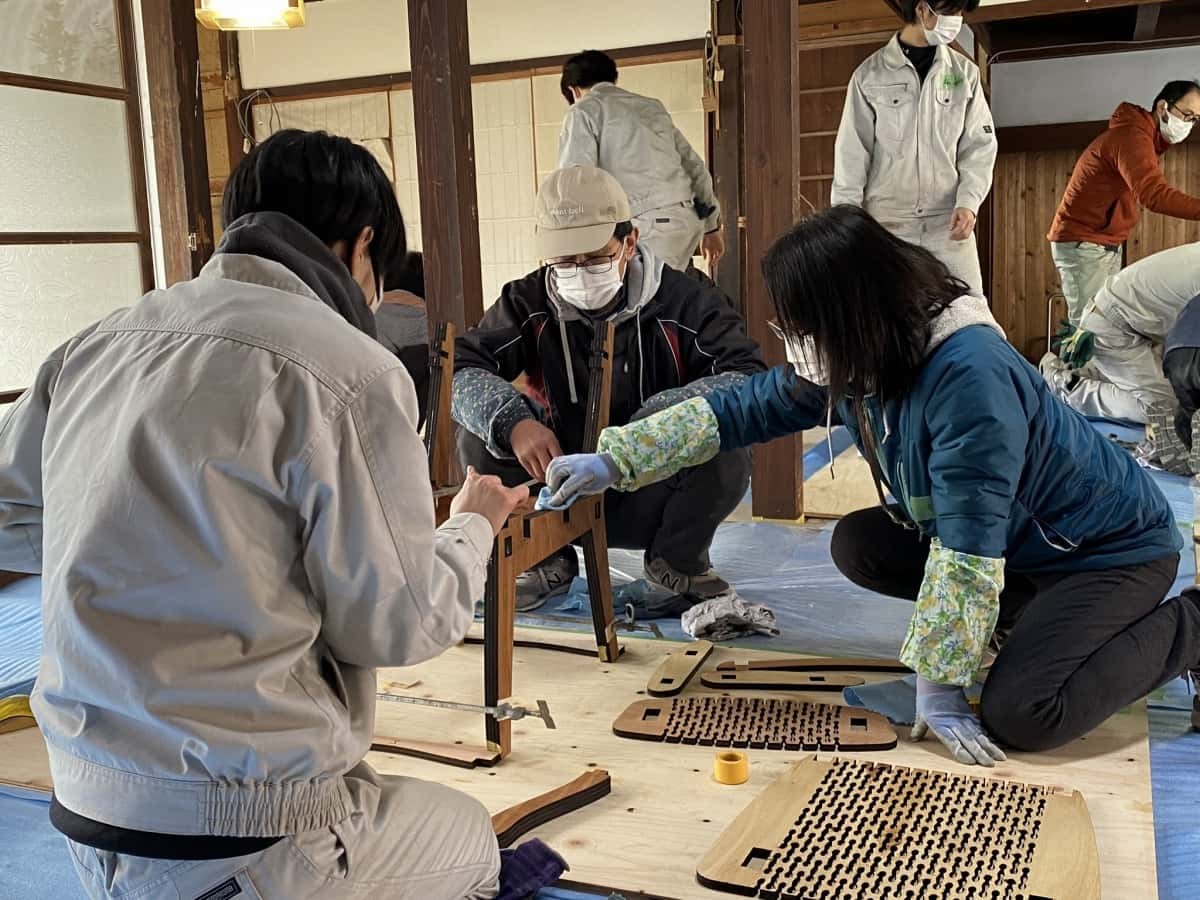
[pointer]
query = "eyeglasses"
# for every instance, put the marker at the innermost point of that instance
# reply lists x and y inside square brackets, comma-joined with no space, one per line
[596,265]
[1190,118]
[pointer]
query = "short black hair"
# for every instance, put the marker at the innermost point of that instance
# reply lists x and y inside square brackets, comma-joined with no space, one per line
[332,186]
[407,275]
[583,70]
[1174,91]
[945,7]
[864,297]
[623,230]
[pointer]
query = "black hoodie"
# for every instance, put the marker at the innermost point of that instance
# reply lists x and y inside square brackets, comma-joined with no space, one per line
[673,333]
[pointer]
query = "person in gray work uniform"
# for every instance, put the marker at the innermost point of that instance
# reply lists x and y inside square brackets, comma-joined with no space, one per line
[916,146]
[225,494]
[632,137]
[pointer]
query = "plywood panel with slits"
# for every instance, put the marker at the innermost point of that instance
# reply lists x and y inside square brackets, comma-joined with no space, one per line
[856,830]
[755,722]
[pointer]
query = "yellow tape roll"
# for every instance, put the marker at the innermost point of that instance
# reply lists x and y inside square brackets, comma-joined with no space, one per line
[731,767]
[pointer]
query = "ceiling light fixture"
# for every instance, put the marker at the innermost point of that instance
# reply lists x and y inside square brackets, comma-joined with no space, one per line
[241,15]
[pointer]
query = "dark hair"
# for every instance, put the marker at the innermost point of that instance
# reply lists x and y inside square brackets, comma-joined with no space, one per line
[864,297]
[330,185]
[908,8]
[623,230]
[1174,91]
[407,275]
[583,70]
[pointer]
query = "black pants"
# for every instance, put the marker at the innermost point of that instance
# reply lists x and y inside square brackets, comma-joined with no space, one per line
[1182,368]
[674,520]
[1082,645]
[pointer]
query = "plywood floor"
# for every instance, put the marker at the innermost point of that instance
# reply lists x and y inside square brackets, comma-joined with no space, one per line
[666,811]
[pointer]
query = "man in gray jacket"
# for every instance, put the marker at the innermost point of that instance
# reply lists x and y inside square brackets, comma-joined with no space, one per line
[226,497]
[632,137]
[916,146]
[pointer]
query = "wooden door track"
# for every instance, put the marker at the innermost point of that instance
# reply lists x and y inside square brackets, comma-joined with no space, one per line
[763,724]
[853,830]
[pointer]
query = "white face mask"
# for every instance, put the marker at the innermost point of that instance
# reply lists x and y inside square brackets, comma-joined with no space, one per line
[585,290]
[945,31]
[1173,129]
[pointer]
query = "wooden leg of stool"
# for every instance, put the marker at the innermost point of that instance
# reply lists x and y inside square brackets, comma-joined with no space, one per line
[599,580]
[499,617]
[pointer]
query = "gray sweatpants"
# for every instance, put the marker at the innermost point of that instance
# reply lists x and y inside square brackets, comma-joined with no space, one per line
[1125,374]
[405,840]
[672,233]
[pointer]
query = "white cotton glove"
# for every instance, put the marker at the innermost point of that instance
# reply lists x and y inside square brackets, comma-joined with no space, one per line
[943,709]
[570,477]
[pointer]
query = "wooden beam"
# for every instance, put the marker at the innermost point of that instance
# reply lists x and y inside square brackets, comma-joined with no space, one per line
[1031,9]
[1060,136]
[169,173]
[127,44]
[647,54]
[1147,22]
[770,62]
[232,92]
[446,160]
[61,86]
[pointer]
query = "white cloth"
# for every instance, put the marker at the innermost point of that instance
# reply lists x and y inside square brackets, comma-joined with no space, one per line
[402,839]
[908,150]
[933,233]
[672,233]
[634,139]
[238,529]
[727,617]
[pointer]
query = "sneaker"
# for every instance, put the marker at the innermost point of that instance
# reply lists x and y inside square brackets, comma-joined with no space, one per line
[550,578]
[1162,446]
[1193,677]
[707,585]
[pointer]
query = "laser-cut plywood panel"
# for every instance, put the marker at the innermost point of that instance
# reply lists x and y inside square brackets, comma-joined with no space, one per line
[855,830]
[755,722]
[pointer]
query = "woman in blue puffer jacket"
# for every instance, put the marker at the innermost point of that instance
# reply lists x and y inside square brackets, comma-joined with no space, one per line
[1012,518]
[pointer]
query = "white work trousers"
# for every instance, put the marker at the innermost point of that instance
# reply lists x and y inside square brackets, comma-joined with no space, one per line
[933,233]
[405,840]
[1124,376]
[673,233]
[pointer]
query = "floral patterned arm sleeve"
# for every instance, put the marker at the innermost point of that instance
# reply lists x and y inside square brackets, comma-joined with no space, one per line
[955,616]
[655,448]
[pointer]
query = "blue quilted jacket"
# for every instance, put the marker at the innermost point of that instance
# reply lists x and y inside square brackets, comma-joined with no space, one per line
[982,456]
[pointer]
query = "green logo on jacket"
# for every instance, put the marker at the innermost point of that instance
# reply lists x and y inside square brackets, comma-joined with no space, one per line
[952,80]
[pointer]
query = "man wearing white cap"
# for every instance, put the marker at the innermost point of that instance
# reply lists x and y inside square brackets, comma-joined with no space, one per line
[676,338]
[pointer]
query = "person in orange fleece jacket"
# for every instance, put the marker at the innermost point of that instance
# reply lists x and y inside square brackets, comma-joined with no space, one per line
[1118,171]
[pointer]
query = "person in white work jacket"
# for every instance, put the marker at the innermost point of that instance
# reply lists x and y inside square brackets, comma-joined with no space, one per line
[916,147]
[1128,321]
[633,138]
[225,494]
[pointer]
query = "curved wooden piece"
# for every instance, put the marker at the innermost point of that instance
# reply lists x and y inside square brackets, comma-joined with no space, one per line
[767,680]
[815,664]
[1066,863]
[674,672]
[515,822]
[459,755]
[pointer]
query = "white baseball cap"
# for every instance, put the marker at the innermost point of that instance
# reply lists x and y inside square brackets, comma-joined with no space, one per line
[576,211]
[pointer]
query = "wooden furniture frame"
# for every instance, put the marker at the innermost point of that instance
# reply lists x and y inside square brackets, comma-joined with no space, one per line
[524,541]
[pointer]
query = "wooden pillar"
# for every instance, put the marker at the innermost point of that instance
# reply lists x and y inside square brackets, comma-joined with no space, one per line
[985,226]
[441,85]
[770,57]
[177,127]
[725,141]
